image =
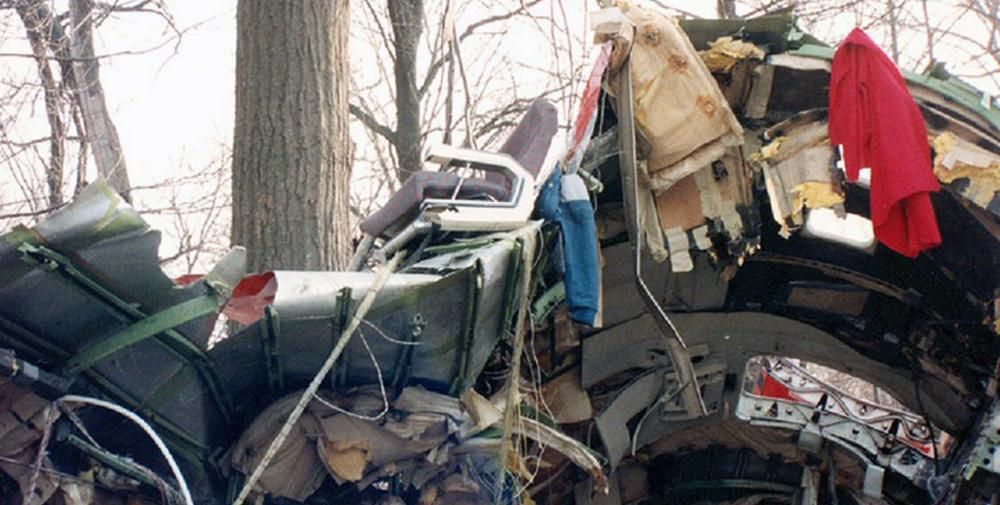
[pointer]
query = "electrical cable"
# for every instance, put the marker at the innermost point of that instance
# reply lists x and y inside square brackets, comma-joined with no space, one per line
[185,493]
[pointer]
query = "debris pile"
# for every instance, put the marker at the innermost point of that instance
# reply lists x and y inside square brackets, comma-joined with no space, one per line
[636,317]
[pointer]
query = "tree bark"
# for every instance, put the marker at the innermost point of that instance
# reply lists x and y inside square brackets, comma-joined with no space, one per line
[101,132]
[291,149]
[407,18]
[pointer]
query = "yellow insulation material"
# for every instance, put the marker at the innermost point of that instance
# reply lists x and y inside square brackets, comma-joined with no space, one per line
[726,52]
[814,195]
[958,159]
[771,148]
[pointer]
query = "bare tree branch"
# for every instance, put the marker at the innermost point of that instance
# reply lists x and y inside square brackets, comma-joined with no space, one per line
[470,30]
[371,123]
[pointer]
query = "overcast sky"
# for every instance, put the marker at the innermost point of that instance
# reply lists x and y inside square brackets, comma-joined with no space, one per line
[174,105]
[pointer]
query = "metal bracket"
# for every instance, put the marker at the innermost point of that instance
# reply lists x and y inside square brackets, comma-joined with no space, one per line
[345,304]
[547,301]
[874,477]
[655,392]
[810,439]
[269,340]
[809,487]
[401,370]
[473,295]
[155,324]
[985,453]
[848,434]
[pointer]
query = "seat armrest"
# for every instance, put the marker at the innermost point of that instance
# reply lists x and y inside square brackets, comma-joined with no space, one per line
[478,215]
[481,160]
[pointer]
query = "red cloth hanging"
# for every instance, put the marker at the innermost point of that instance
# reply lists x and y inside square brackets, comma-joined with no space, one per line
[874,118]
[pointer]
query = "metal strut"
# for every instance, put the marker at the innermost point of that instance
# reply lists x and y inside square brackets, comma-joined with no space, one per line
[676,348]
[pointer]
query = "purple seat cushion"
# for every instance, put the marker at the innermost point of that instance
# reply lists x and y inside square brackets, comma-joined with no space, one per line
[528,144]
[404,205]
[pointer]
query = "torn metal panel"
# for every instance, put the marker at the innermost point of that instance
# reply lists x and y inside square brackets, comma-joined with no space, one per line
[438,322]
[303,310]
[619,284]
[774,32]
[645,351]
[302,294]
[444,344]
[702,288]
[738,336]
[99,260]
[871,443]
[786,380]
[760,92]
[567,400]
[799,172]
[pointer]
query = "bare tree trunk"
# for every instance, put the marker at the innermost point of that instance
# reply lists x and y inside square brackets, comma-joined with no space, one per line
[929,33]
[407,18]
[893,26]
[449,94]
[37,20]
[726,8]
[101,132]
[291,149]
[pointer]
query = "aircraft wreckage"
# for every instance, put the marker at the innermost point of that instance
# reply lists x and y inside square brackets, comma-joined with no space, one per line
[701,300]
